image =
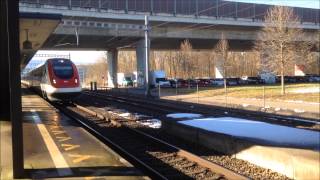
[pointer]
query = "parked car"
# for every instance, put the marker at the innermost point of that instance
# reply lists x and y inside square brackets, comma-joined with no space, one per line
[172,82]
[250,80]
[163,82]
[267,77]
[301,79]
[178,83]
[254,80]
[314,78]
[159,78]
[217,82]
[290,79]
[233,81]
[124,79]
[128,81]
[243,80]
[203,82]
[192,83]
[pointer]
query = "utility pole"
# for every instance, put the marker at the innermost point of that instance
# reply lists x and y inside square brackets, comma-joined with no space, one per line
[147,49]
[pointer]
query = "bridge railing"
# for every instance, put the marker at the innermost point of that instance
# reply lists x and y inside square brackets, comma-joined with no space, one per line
[211,8]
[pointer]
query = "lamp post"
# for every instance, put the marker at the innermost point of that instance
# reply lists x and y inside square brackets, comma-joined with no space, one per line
[147,49]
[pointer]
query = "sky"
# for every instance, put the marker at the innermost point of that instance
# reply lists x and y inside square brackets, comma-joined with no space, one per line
[295,3]
[78,57]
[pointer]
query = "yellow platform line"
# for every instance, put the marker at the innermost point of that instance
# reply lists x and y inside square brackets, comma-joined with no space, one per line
[56,155]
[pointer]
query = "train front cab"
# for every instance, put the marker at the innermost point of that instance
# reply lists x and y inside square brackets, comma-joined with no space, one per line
[63,80]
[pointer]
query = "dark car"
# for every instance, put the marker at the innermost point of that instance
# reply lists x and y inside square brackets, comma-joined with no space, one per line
[313,78]
[290,79]
[172,82]
[233,81]
[250,80]
[278,79]
[178,83]
[217,82]
[191,83]
[254,80]
[203,82]
[128,81]
[301,79]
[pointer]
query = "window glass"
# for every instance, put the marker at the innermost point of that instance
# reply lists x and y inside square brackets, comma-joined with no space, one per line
[62,68]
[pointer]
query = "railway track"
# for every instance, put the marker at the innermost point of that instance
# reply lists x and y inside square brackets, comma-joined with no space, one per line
[113,109]
[166,107]
[158,159]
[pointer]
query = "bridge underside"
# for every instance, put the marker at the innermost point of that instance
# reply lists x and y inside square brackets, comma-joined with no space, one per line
[69,42]
[35,28]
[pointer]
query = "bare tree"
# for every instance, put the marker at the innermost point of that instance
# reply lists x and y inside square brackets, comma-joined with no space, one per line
[222,50]
[280,41]
[127,61]
[186,58]
[97,72]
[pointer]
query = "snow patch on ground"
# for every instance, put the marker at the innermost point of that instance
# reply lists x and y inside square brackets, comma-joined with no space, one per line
[259,131]
[277,109]
[141,116]
[153,123]
[299,110]
[304,102]
[306,90]
[125,114]
[184,115]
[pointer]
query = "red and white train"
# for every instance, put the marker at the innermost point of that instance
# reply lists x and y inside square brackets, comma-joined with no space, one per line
[57,80]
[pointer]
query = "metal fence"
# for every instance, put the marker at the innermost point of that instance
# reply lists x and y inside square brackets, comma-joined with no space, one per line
[213,8]
[259,97]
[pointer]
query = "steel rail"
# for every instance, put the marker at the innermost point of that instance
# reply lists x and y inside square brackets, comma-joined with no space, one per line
[93,130]
[162,105]
[199,160]
[229,174]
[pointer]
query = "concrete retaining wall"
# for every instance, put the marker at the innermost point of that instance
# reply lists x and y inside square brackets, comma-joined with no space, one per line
[294,163]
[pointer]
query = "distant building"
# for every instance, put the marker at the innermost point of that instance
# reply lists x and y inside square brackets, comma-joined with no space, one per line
[82,70]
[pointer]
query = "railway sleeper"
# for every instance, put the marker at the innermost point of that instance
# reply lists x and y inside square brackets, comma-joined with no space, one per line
[186,165]
[170,155]
[200,171]
[176,176]
[176,160]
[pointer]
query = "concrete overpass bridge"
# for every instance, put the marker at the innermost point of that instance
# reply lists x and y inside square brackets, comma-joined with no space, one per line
[116,24]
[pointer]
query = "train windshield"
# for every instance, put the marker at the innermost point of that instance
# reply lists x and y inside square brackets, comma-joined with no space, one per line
[62,68]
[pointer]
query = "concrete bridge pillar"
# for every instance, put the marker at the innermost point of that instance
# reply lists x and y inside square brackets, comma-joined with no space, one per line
[141,63]
[112,58]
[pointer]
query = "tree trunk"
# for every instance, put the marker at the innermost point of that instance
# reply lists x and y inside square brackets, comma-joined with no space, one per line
[282,72]
[209,68]
[282,83]
[225,79]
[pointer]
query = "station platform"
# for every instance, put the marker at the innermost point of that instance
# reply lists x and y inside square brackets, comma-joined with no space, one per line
[57,147]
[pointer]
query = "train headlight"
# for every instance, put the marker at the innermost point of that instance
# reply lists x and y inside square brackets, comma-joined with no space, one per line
[54,81]
[76,80]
